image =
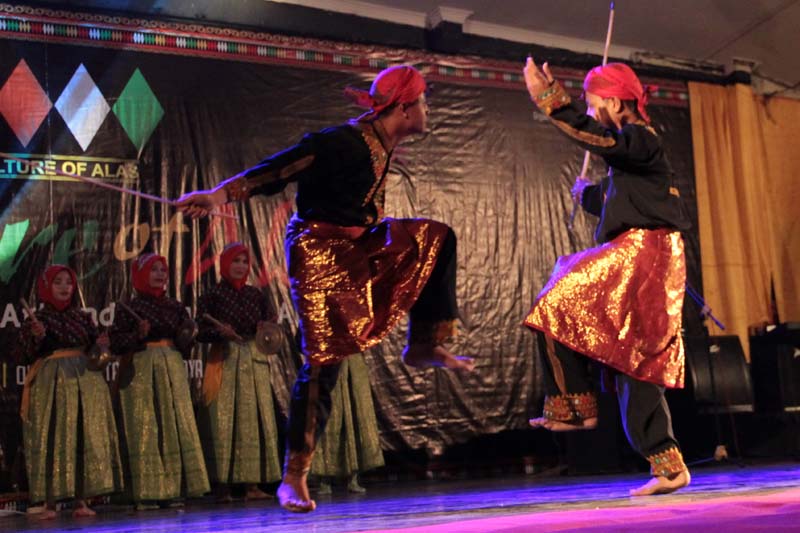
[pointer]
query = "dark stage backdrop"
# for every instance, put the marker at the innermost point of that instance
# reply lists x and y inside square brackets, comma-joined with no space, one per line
[165,124]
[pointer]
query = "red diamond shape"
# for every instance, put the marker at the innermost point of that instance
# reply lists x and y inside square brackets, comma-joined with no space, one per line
[23,103]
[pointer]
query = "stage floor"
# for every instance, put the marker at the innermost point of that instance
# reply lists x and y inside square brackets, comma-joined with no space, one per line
[730,498]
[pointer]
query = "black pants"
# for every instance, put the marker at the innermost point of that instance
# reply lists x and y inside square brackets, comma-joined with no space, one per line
[643,408]
[437,301]
[432,318]
[310,406]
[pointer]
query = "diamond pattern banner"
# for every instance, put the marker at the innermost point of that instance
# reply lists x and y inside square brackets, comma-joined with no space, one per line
[23,103]
[83,107]
[138,110]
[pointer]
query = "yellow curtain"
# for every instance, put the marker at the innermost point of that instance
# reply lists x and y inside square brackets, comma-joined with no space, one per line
[781,129]
[745,154]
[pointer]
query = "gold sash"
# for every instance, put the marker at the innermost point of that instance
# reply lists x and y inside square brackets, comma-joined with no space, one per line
[25,404]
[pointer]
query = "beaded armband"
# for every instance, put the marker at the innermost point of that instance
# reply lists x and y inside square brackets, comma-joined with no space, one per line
[552,98]
[422,332]
[237,189]
[570,407]
[667,462]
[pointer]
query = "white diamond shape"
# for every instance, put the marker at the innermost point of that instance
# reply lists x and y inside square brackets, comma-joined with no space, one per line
[83,107]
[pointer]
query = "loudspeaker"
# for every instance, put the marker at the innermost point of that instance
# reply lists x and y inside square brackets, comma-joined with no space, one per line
[718,375]
[776,368]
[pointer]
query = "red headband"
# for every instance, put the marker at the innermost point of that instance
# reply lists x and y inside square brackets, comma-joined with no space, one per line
[618,79]
[395,85]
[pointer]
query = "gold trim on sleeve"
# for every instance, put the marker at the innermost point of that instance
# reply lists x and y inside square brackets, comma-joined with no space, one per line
[591,139]
[552,98]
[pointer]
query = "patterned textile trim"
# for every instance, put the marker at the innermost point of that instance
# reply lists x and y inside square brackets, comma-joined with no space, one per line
[298,463]
[584,405]
[283,174]
[570,407]
[667,462]
[554,97]
[154,36]
[238,189]
[431,332]
[557,408]
[380,160]
[584,137]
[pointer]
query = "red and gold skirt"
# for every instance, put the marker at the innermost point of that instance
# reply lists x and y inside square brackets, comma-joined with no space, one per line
[351,285]
[620,303]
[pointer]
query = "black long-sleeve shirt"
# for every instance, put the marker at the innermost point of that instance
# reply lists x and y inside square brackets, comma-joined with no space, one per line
[70,328]
[242,309]
[340,174]
[164,314]
[639,190]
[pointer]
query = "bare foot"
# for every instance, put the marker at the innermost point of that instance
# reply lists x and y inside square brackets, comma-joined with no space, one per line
[254,493]
[83,510]
[663,484]
[556,425]
[425,355]
[175,503]
[293,495]
[354,487]
[146,506]
[47,514]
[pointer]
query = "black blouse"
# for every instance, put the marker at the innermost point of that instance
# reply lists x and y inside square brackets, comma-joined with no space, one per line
[164,314]
[243,309]
[70,328]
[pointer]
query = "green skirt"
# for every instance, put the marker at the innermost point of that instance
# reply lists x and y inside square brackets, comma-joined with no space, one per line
[70,438]
[238,429]
[351,442]
[161,443]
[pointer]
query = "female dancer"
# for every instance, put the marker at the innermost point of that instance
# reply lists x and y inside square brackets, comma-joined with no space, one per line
[69,434]
[237,420]
[163,452]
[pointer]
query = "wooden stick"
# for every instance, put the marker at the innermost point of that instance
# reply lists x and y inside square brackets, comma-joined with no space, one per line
[111,186]
[131,311]
[219,325]
[31,312]
[587,155]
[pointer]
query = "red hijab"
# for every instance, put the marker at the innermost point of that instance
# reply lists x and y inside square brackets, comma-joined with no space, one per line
[400,84]
[618,79]
[140,271]
[229,253]
[44,286]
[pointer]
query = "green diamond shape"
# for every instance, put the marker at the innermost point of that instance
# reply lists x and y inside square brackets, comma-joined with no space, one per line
[138,110]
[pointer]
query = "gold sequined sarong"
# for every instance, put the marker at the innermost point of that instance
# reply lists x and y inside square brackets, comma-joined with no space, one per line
[351,285]
[620,303]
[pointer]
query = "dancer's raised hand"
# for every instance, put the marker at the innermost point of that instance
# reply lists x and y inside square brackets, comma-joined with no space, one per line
[535,79]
